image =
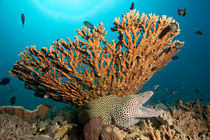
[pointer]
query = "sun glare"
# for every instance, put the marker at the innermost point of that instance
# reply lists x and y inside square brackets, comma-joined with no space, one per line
[71,9]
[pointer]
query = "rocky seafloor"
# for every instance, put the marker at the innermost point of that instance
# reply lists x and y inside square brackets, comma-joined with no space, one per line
[190,121]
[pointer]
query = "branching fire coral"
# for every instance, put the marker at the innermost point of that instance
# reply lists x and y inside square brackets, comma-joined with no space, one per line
[91,67]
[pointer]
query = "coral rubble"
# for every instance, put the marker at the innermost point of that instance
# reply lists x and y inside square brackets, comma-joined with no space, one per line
[17,128]
[92,67]
[13,127]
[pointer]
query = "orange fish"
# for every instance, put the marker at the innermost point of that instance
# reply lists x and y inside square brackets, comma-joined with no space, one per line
[23,19]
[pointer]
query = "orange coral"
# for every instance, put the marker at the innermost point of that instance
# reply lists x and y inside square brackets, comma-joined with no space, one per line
[89,68]
[39,113]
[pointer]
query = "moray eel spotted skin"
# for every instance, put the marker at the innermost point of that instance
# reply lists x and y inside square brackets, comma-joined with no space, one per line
[123,112]
[129,109]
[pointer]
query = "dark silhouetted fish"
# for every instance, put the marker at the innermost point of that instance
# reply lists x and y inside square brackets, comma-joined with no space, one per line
[5,81]
[23,19]
[177,101]
[182,12]
[197,91]
[12,100]
[132,6]
[88,25]
[199,32]
[175,57]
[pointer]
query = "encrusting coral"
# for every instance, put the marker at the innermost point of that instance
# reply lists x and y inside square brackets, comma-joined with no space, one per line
[86,69]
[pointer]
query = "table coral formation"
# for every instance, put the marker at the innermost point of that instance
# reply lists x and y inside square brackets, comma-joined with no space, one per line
[91,67]
[39,113]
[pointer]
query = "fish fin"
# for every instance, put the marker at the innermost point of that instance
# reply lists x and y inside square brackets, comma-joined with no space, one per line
[185,12]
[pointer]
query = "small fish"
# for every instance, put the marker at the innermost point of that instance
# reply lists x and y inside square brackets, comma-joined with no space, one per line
[197,91]
[154,68]
[182,12]
[54,108]
[5,81]
[182,88]
[47,101]
[12,100]
[175,57]
[174,27]
[132,6]
[46,95]
[178,45]
[199,32]
[23,19]
[88,25]
[159,91]
[177,101]
[163,101]
[173,92]
[155,87]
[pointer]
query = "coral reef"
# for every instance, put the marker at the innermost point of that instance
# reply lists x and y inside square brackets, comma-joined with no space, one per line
[88,68]
[188,121]
[57,128]
[36,138]
[39,113]
[192,119]
[13,127]
[124,112]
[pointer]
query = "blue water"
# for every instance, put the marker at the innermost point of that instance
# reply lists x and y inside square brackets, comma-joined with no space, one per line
[49,20]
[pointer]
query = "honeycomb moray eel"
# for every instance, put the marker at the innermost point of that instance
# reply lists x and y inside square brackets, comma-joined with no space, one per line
[123,112]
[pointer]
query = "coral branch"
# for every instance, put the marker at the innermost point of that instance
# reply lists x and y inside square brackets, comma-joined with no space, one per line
[91,67]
